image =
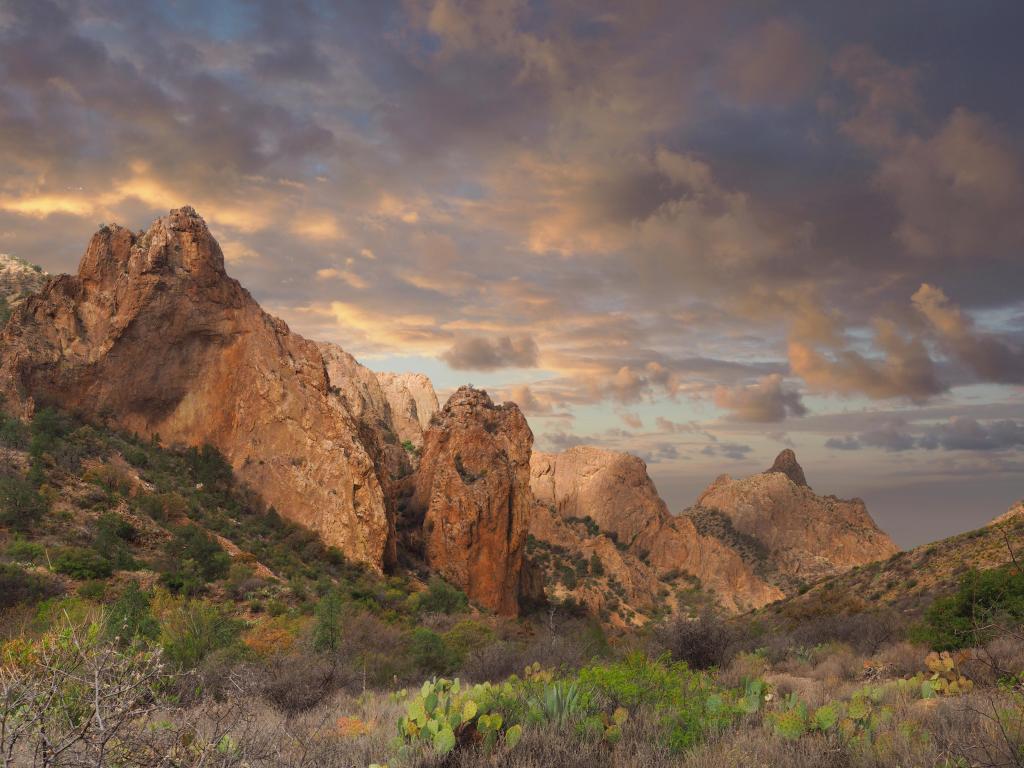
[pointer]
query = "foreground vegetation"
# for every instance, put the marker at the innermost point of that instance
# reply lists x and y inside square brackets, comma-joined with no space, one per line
[156,613]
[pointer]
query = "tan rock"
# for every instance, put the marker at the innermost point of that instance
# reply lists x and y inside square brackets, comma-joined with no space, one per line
[153,336]
[806,536]
[413,402]
[472,492]
[615,491]
[19,279]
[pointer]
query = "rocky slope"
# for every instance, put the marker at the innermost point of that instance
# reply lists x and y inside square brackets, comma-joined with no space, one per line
[472,494]
[786,530]
[19,279]
[595,501]
[908,581]
[153,336]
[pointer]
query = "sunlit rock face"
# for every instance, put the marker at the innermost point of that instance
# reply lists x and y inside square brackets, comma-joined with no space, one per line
[472,492]
[613,490]
[804,536]
[154,337]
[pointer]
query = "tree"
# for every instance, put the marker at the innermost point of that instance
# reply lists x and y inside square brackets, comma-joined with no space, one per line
[20,503]
[327,632]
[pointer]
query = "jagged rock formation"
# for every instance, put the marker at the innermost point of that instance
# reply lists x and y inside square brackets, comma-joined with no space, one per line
[19,279]
[611,494]
[787,464]
[413,402]
[804,536]
[472,493]
[154,337]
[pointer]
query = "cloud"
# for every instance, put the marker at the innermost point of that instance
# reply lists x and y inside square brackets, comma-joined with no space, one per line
[735,451]
[967,434]
[892,437]
[904,369]
[991,358]
[484,354]
[847,443]
[774,64]
[631,420]
[768,400]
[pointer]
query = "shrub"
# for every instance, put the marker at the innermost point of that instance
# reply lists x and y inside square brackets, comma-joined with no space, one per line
[195,628]
[112,537]
[130,616]
[195,559]
[21,504]
[441,597]
[967,617]
[24,551]
[703,642]
[83,564]
[295,682]
[19,586]
[428,652]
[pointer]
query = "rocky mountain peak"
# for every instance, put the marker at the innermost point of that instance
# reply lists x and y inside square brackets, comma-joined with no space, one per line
[178,243]
[787,464]
[18,279]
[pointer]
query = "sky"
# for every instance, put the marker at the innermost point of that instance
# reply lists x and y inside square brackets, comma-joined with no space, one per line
[700,232]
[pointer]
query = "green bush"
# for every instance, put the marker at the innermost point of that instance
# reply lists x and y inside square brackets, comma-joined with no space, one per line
[966,618]
[194,629]
[19,586]
[21,504]
[429,653]
[112,537]
[82,564]
[194,559]
[130,617]
[24,551]
[441,597]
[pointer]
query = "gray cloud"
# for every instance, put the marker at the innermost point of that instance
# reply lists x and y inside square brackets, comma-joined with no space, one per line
[734,451]
[966,434]
[483,354]
[768,400]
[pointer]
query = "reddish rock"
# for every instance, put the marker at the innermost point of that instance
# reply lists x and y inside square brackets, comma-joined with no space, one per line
[154,337]
[472,492]
[614,490]
[805,536]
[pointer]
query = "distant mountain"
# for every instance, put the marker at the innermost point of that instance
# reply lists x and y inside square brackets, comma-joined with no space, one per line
[787,532]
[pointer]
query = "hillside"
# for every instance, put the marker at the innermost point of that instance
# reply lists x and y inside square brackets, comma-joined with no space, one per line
[909,581]
[18,279]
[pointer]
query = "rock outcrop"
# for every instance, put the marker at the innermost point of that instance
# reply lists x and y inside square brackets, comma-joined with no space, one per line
[18,280]
[413,402]
[472,493]
[615,499]
[153,336]
[802,536]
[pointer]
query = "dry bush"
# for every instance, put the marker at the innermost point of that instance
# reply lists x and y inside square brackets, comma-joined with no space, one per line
[1000,658]
[761,748]
[297,682]
[704,642]
[900,659]
[493,662]
[743,667]
[841,665]
[813,692]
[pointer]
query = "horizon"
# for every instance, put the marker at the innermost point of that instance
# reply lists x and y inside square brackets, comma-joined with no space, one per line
[698,237]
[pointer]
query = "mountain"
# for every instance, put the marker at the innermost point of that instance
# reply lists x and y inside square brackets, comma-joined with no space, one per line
[153,337]
[596,503]
[788,533]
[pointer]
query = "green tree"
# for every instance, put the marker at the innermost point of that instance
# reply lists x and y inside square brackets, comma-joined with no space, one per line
[130,617]
[327,631]
[21,504]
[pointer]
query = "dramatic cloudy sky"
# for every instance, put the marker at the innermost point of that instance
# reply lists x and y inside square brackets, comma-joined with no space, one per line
[698,231]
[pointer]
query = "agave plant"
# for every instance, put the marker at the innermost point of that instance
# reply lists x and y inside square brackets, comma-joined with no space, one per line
[559,702]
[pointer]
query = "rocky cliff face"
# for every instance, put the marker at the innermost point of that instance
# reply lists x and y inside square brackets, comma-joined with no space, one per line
[653,549]
[19,279]
[413,402]
[794,532]
[472,493]
[153,336]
